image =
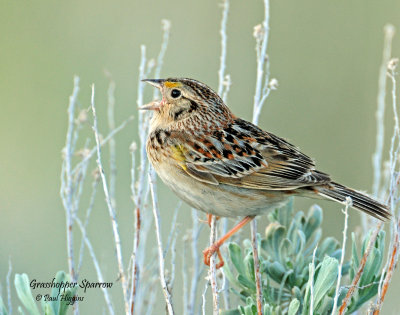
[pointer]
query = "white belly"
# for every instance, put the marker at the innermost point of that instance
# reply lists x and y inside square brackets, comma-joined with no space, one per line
[221,200]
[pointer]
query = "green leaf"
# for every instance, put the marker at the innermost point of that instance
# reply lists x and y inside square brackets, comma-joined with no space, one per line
[354,254]
[246,282]
[48,310]
[276,271]
[327,276]
[293,307]
[372,266]
[314,219]
[228,273]
[327,247]
[24,293]
[235,253]
[69,293]
[55,305]
[274,235]
[249,263]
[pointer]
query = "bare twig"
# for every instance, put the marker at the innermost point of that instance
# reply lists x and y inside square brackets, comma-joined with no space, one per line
[227,83]
[114,223]
[212,270]
[166,27]
[346,217]
[66,190]
[111,144]
[173,259]
[261,33]
[223,89]
[96,264]
[136,241]
[257,272]
[186,307]
[203,298]
[172,233]
[156,213]
[360,269]
[137,194]
[393,258]
[312,281]
[222,63]
[377,157]
[79,179]
[196,262]
[8,284]
[88,212]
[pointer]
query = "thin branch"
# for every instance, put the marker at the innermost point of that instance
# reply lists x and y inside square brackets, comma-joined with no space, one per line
[361,267]
[203,298]
[156,213]
[79,179]
[114,223]
[254,243]
[261,33]
[227,85]
[392,260]
[66,190]
[171,234]
[196,261]
[186,306]
[377,157]
[212,270]
[137,194]
[312,281]
[8,284]
[166,27]
[222,63]
[346,218]
[111,144]
[96,264]
[88,212]
[173,259]
[224,83]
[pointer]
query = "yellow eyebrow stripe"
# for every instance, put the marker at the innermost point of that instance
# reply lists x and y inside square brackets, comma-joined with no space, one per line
[170,84]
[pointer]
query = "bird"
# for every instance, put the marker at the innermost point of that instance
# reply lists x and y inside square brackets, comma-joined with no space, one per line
[226,166]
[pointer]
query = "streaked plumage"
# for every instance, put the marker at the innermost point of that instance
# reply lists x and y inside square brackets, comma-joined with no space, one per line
[226,166]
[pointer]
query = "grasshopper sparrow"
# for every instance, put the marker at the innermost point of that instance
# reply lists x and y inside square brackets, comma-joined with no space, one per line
[228,167]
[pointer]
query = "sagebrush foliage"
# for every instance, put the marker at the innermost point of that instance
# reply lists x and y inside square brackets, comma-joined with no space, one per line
[286,261]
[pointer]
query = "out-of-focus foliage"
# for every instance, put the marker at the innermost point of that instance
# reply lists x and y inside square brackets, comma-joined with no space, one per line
[291,248]
[55,303]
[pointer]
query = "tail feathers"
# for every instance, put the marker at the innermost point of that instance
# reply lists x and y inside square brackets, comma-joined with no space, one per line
[361,202]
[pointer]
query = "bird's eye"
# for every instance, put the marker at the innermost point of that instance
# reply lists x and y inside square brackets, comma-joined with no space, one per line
[175,93]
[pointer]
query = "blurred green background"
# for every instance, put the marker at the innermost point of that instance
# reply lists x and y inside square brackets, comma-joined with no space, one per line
[325,54]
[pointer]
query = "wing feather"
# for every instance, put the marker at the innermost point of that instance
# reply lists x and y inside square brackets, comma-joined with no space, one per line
[244,155]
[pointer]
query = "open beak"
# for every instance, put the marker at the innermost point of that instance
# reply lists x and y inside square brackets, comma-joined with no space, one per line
[153,105]
[155,82]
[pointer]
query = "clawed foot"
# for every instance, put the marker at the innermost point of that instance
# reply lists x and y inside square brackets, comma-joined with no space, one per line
[209,218]
[209,251]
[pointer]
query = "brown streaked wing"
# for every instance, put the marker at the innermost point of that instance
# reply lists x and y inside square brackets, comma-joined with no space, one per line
[244,155]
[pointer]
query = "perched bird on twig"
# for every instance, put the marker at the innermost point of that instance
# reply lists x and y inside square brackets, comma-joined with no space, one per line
[227,166]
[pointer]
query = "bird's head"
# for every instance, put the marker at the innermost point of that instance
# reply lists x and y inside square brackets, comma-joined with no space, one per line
[188,101]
